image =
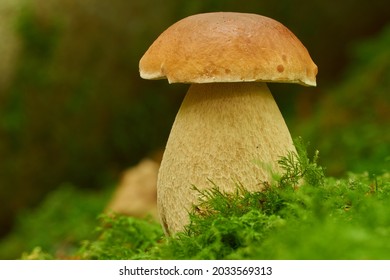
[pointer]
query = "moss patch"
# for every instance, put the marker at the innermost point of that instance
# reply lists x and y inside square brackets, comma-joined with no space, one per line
[301,215]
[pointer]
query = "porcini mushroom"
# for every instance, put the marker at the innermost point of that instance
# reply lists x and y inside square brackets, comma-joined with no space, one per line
[228,121]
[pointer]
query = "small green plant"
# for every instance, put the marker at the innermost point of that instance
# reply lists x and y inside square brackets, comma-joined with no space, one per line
[297,166]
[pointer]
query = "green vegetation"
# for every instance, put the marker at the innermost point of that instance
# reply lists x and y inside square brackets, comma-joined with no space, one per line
[122,237]
[301,215]
[62,220]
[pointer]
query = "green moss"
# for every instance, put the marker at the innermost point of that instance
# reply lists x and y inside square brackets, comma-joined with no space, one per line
[122,237]
[301,215]
[57,226]
[324,218]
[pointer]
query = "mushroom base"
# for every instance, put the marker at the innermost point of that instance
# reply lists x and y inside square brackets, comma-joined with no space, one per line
[224,134]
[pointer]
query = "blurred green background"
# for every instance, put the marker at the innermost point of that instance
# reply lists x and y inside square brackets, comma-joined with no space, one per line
[73,109]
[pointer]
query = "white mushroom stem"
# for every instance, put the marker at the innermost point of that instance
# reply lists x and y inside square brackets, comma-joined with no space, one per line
[227,133]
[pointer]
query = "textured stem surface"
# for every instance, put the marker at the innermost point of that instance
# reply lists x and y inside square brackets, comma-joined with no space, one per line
[227,133]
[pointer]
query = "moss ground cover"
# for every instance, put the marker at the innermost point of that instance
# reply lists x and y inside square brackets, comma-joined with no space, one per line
[301,215]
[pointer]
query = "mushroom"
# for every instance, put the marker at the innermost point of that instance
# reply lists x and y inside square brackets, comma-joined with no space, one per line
[229,129]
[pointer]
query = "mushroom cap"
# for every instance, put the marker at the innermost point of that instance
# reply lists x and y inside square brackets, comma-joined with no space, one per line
[228,47]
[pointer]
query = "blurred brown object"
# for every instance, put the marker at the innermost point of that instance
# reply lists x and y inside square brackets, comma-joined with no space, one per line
[136,193]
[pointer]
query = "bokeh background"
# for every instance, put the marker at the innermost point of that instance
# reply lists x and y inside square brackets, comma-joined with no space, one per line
[73,109]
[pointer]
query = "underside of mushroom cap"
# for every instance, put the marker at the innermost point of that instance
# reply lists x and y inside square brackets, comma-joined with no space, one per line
[228,47]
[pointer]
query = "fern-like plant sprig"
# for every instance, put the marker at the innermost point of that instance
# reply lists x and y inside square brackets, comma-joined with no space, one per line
[297,166]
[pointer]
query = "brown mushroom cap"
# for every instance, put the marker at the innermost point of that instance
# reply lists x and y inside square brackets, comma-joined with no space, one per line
[228,47]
